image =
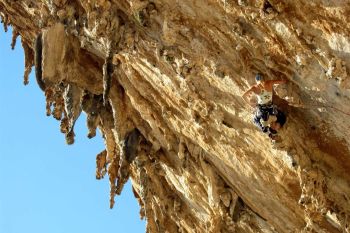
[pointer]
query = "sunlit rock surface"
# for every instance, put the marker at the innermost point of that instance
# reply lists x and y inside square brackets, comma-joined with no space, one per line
[162,81]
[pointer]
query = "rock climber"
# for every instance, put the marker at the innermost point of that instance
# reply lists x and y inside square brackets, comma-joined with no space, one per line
[266,113]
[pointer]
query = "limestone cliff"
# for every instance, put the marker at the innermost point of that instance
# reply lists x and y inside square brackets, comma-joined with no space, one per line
[162,80]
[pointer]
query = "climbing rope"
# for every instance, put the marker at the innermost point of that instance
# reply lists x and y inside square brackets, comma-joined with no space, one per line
[323,106]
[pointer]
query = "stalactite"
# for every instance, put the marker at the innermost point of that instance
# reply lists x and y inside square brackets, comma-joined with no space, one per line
[130,145]
[55,100]
[58,104]
[72,102]
[92,105]
[15,34]
[5,21]
[64,126]
[139,200]
[28,61]
[113,173]
[49,94]
[101,164]
[38,62]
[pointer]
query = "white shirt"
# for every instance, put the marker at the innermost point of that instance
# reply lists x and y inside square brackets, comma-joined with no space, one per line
[264,97]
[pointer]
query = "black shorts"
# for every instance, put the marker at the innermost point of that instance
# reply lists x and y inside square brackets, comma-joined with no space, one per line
[264,111]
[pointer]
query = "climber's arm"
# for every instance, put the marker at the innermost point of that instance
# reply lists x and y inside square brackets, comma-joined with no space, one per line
[276,82]
[257,122]
[248,93]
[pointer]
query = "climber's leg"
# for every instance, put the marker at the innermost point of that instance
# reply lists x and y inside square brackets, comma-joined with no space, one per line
[257,121]
[280,121]
[264,112]
[276,125]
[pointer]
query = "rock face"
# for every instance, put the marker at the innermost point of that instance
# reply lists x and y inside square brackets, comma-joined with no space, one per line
[163,80]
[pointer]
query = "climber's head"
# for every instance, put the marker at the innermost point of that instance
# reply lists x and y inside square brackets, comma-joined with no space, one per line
[259,78]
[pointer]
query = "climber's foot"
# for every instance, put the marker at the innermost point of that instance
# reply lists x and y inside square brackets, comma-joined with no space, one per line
[275,138]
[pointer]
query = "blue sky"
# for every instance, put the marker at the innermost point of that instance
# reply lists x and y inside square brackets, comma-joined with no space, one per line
[47,186]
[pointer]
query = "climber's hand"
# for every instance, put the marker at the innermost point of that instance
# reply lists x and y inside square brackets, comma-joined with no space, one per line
[265,129]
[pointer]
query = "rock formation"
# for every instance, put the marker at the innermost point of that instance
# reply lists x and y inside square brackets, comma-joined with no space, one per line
[162,80]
